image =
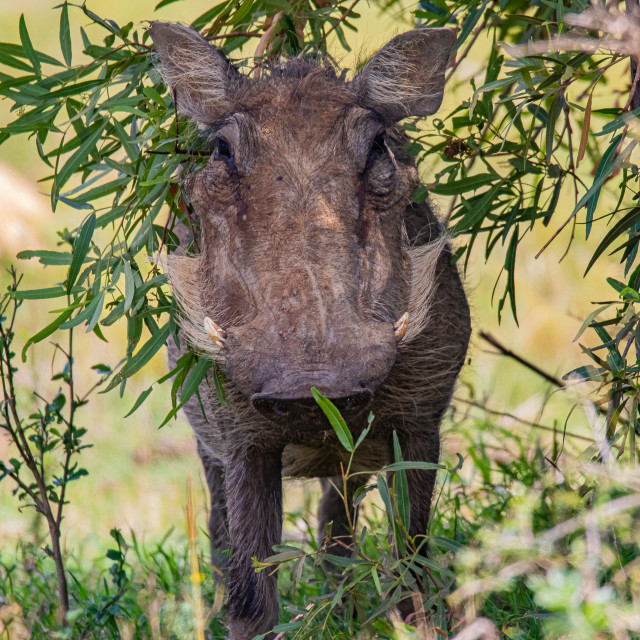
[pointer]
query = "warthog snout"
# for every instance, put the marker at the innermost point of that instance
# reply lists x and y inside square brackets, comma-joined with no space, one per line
[280,361]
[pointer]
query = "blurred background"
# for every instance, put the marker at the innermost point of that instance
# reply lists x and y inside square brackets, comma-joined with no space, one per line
[137,472]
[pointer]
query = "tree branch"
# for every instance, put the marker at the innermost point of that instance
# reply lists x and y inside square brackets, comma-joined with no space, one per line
[487,337]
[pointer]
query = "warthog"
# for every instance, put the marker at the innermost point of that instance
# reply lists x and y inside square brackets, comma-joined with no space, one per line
[312,268]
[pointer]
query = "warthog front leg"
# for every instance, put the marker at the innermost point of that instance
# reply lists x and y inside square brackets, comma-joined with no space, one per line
[254,511]
[218,527]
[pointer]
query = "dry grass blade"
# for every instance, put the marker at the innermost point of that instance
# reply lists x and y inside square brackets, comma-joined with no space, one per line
[270,25]
[196,576]
[584,137]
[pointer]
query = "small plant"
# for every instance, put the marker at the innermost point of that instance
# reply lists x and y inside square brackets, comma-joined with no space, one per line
[47,441]
[356,587]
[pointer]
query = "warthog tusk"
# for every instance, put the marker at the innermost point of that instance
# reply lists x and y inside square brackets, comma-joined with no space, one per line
[400,327]
[216,334]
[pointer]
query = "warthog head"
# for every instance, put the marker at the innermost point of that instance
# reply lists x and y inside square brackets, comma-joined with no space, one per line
[305,275]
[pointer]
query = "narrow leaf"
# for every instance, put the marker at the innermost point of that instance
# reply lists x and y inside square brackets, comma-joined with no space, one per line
[80,249]
[141,398]
[623,225]
[471,183]
[606,166]
[129,286]
[422,466]
[80,155]
[336,420]
[144,354]
[554,110]
[196,376]
[65,34]
[401,485]
[47,331]
[590,318]
[56,258]
[28,47]
[43,294]
[584,137]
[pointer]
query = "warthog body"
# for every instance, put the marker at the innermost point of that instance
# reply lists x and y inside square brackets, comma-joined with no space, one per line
[309,255]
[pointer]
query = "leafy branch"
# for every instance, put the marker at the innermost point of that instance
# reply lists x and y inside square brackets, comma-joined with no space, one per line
[47,443]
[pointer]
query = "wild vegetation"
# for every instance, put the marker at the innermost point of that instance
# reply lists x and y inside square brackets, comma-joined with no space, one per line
[535,530]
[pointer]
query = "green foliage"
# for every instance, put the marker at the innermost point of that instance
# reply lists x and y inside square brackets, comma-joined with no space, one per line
[47,442]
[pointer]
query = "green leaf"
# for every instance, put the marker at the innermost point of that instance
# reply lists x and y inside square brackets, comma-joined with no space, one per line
[477,207]
[590,318]
[495,84]
[16,50]
[510,268]
[44,294]
[422,466]
[218,379]
[448,544]
[144,354]
[401,486]
[80,155]
[623,225]
[164,3]
[588,372]
[12,61]
[471,183]
[47,331]
[196,376]
[376,580]
[604,170]
[336,420]
[83,316]
[554,110]
[141,398]
[244,9]
[80,249]
[620,121]
[129,146]
[470,22]
[28,47]
[129,286]
[56,258]
[65,34]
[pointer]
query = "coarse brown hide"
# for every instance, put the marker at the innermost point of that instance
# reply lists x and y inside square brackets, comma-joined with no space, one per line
[307,256]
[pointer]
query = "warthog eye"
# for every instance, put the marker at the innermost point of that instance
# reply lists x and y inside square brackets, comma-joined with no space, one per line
[378,148]
[380,167]
[222,150]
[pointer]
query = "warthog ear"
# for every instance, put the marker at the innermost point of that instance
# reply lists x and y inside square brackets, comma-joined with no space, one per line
[201,76]
[406,77]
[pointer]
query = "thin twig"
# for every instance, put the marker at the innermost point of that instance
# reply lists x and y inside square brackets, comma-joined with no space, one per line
[266,37]
[342,18]
[476,33]
[511,416]
[487,337]
[235,34]
[631,7]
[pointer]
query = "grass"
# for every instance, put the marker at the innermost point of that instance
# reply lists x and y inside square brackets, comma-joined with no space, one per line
[542,547]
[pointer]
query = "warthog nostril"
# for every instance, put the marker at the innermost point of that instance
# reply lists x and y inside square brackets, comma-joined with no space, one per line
[283,409]
[352,405]
[279,408]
